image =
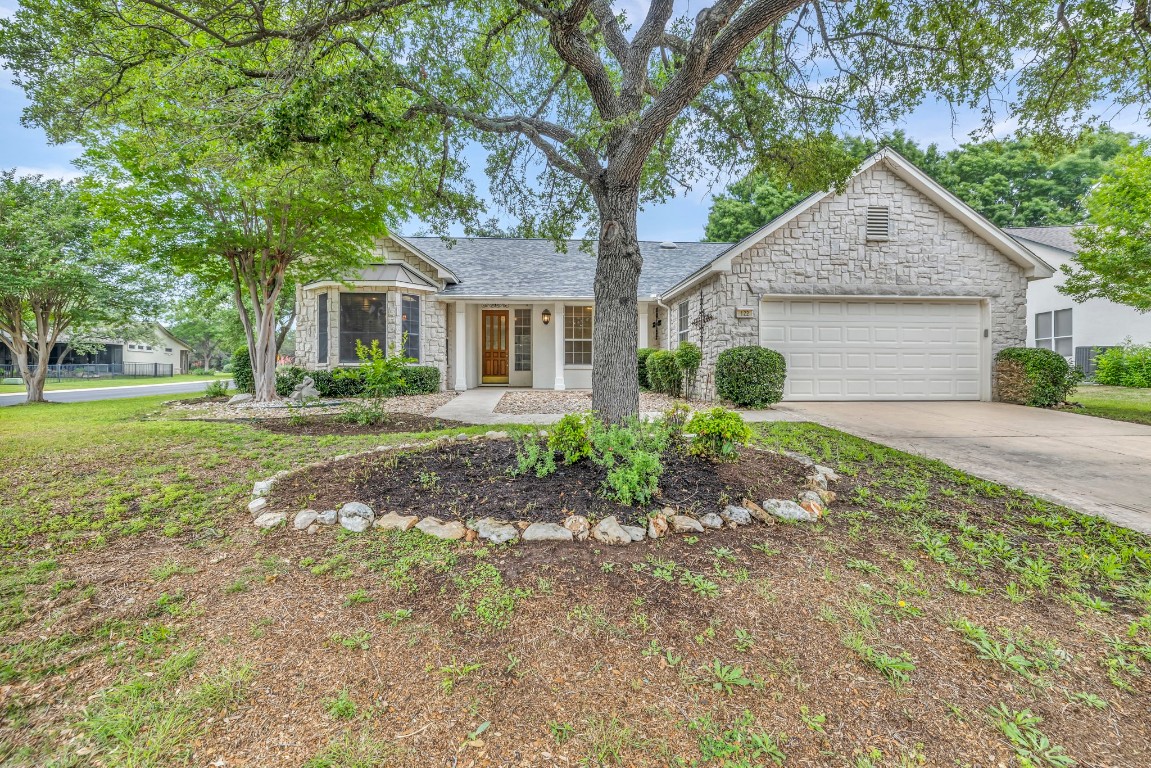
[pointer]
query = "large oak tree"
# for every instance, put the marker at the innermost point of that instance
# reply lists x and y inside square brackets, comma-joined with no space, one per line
[586,114]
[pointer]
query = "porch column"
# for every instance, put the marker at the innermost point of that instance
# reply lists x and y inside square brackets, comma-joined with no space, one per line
[461,329]
[558,322]
[642,326]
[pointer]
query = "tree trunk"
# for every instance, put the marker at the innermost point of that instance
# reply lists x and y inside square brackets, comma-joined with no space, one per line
[264,357]
[34,382]
[615,327]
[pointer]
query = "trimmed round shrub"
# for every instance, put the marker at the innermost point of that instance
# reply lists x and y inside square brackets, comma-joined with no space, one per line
[719,433]
[750,377]
[642,355]
[242,371]
[420,380]
[688,357]
[663,373]
[287,378]
[1031,376]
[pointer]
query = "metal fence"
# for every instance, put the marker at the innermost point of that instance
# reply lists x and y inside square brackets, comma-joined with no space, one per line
[97,371]
[1085,359]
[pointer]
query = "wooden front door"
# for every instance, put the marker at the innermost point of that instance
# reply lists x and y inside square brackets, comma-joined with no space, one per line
[495,352]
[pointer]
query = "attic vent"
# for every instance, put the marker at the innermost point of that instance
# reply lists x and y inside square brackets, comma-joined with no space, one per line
[668,244]
[878,222]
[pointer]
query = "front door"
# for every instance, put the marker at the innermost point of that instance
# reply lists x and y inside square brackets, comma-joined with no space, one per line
[495,353]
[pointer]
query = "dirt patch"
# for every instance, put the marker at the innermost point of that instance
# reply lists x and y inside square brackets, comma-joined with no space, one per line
[471,480]
[395,423]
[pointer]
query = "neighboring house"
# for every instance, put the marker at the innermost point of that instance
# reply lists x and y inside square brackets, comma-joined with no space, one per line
[891,289]
[1073,329]
[120,356]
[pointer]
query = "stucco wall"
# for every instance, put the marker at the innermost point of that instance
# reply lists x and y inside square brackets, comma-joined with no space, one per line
[824,251]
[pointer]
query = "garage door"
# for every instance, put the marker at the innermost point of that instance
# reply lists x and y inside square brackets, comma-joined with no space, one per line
[843,349]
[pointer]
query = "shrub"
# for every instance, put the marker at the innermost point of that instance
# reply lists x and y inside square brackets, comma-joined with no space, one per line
[571,437]
[534,455]
[750,377]
[718,434]
[642,355]
[418,380]
[381,375]
[197,371]
[364,413]
[1030,376]
[663,373]
[1125,366]
[216,389]
[631,454]
[688,357]
[242,371]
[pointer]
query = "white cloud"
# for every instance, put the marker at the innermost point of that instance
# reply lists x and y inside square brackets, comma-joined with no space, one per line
[64,173]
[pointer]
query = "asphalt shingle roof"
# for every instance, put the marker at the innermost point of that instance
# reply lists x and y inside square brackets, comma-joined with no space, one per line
[1056,237]
[521,267]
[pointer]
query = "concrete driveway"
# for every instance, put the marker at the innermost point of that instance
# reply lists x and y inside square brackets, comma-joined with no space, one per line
[1089,464]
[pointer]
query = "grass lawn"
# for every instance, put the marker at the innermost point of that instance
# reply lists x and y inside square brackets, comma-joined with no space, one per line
[51,386]
[1119,403]
[931,619]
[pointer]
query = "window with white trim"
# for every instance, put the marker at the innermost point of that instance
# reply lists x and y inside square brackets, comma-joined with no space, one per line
[684,311]
[363,318]
[577,335]
[410,325]
[1053,331]
[878,222]
[523,339]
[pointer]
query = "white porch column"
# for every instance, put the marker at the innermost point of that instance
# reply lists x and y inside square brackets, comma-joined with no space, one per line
[642,326]
[558,323]
[461,362]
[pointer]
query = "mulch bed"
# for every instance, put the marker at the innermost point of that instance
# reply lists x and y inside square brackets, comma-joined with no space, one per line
[395,423]
[470,480]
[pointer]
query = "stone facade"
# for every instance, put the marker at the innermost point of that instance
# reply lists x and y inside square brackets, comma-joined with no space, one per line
[433,316]
[824,251]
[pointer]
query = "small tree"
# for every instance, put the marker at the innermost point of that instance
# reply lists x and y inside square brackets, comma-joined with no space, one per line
[1114,259]
[53,284]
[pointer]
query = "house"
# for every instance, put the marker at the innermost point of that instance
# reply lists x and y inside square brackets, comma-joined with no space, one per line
[1073,329]
[160,355]
[889,289]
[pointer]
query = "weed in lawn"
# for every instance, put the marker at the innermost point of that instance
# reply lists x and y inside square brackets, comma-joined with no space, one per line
[812,721]
[896,669]
[362,751]
[963,587]
[169,568]
[1088,699]
[397,616]
[341,707]
[725,677]
[1030,744]
[744,641]
[1006,656]
[452,674]
[359,639]
[356,598]
[237,586]
[699,584]
[740,745]
[863,565]
[561,732]
[607,738]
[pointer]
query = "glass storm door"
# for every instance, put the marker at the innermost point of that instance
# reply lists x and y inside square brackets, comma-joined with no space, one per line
[495,353]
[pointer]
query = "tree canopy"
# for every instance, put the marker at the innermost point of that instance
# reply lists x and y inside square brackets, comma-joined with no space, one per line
[1013,182]
[1114,259]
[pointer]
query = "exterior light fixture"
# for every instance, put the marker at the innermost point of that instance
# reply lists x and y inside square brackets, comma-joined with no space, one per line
[547,316]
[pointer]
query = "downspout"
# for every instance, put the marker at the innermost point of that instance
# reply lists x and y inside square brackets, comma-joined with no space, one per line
[667,309]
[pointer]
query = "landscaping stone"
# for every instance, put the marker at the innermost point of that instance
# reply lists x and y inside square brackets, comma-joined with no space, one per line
[636,533]
[269,520]
[789,510]
[657,526]
[758,512]
[685,524]
[711,520]
[305,518]
[495,531]
[609,531]
[736,515]
[243,397]
[813,496]
[801,458]
[579,526]
[432,526]
[828,473]
[813,507]
[328,517]
[313,529]
[257,504]
[262,487]
[547,532]
[494,435]
[817,482]
[394,522]
[356,516]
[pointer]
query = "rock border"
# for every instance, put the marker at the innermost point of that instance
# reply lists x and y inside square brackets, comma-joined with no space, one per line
[809,506]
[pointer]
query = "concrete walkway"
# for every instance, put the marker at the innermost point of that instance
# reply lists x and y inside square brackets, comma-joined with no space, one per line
[478,406]
[1092,465]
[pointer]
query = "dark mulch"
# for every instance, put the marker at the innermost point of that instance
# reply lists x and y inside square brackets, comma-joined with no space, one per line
[395,423]
[470,480]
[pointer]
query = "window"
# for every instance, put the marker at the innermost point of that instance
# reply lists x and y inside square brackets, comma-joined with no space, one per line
[522,341]
[131,346]
[322,329]
[683,309]
[167,349]
[878,222]
[1053,331]
[577,335]
[363,318]
[410,325]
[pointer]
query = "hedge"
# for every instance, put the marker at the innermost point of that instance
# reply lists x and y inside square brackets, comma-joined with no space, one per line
[1125,366]
[242,371]
[1031,376]
[642,355]
[663,372]
[750,377]
[418,380]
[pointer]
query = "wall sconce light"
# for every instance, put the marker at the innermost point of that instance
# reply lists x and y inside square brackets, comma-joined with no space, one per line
[547,316]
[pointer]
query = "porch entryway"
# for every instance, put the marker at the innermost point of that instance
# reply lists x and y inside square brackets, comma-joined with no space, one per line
[494,355]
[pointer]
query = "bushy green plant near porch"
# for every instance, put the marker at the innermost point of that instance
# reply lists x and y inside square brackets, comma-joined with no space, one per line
[688,357]
[663,373]
[718,434]
[1031,376]
[630,453]
[242,370]
[642,355]
[571,437]
[750,377]
[382,375]
[1125,366]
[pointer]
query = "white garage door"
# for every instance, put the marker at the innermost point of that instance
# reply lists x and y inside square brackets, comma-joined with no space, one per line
[843,349]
